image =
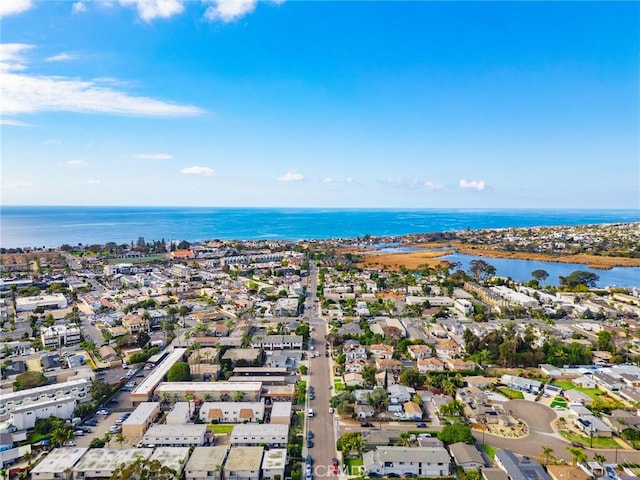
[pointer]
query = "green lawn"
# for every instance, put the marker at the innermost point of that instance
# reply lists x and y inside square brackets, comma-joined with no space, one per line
[154,258]
[591,392]
[353,465]
[220,429]
[512,394]
[598,442]
[564,384]
[559,402]
[490,451]
[338,385]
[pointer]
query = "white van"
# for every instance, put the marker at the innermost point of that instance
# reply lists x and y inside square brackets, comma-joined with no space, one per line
[311,413]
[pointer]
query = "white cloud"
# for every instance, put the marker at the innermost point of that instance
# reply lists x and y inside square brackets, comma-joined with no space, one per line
[291,176]
[61,57]
[151,9]
[14,123]
[11,56]
[79,7]
[74,163]
[478,185]
[17,186]
[327,180]
[11,7]
[229,10]
[198,170]
[152,156]
[429,185]
[94,182]
[25,93]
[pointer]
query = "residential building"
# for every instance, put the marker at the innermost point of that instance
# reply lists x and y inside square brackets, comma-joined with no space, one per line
[58,464]
[519,468]
[24,417]
[380,350]
[408,461]
[174,458]
[179,414]
[425,365]
[459,365]
[399,394]
[77,388]
[53,301]
[274,462]
[232,412]
[418,352]
[135,324]
[275,435]
[213,391]
[140,419]
[277,342]
[102,462]
[206,463]
[176,435]
[144,391]
[281,413]
[467,456]
[412,411]
[57,336]
[243,463]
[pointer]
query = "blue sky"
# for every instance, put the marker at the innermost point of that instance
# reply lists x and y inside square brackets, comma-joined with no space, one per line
[320,104]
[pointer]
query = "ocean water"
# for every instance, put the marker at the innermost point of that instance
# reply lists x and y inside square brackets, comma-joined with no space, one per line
[31,226]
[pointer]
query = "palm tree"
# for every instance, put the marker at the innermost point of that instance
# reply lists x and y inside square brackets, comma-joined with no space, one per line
[599,458]
[577,455]
[547,455]
[120,439]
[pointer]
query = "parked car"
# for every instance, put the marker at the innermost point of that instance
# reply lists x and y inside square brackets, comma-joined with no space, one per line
[366,424]
[331,410]
[308,460]
[334,462]
[71,444]
[577,444]
[309,435]
[309,443]
[421,425]
[102,412]
[78,433]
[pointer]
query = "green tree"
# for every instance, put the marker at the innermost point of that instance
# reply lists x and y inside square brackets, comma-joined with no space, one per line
[578,279]
[455,433]
[179,372]
[411,378]
[452,409]
[99,390]
[481,270]
[30,379]
[540,275]
[144,470]
[547,455]
[350,443]
[577,455]
[378,399]
[143,339]
[369,375]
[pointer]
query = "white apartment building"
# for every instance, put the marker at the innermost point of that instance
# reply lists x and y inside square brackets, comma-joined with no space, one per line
[405,461]
[205,462]
[24,417]
[243,463]
[28,304]
[232,412]
[175,435]
[274,435]
[60,335]
[78,389]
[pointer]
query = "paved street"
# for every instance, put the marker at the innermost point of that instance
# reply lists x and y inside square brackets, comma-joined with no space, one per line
[539,418]
[323,424]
